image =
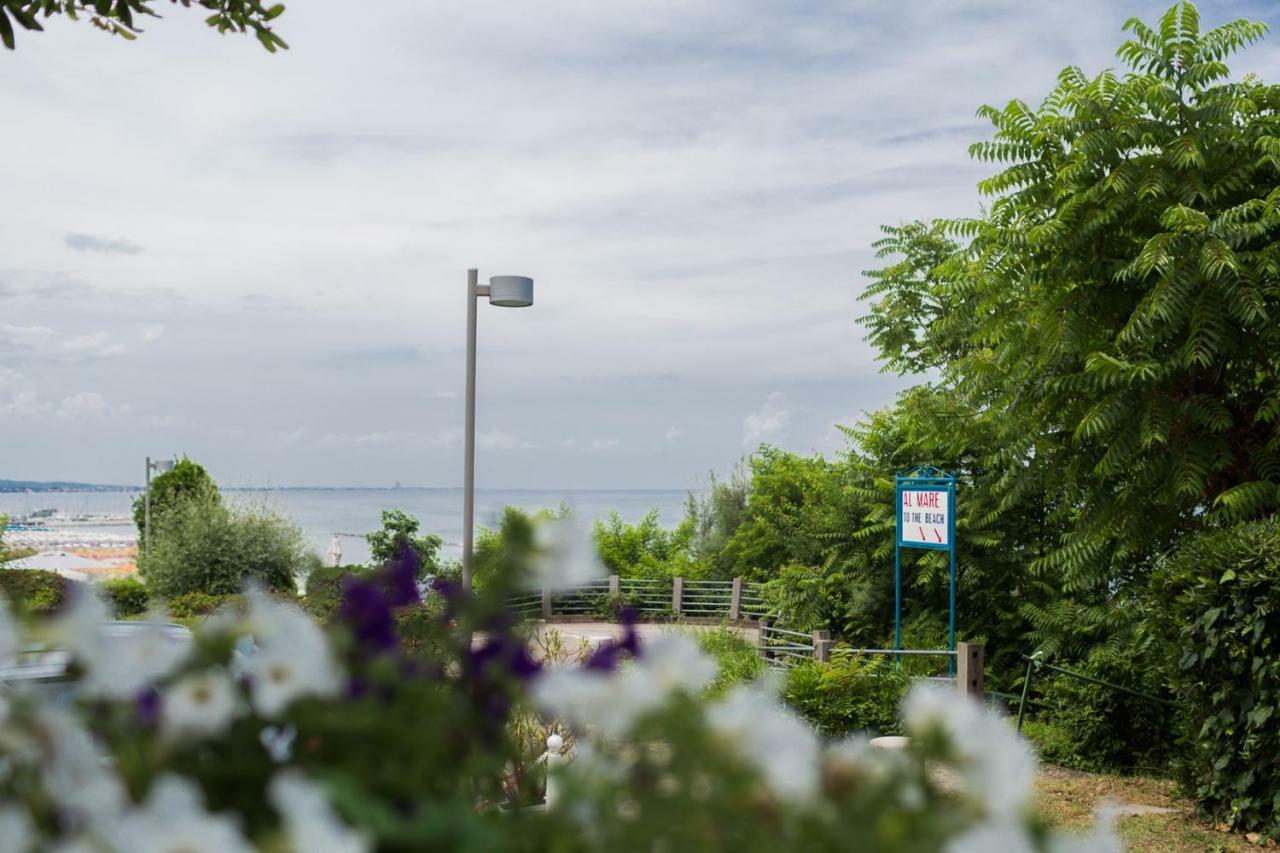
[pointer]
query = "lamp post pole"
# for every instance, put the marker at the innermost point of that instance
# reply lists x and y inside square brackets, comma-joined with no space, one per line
[469,435]
[504,291]
[146,515]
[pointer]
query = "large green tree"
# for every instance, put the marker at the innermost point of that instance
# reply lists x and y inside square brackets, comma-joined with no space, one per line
[122,17]
[186,481]
[1114,309]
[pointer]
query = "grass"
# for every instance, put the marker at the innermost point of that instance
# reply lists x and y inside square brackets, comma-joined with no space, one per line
[1067,799]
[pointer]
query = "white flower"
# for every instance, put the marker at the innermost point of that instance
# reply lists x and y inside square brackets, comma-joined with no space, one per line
[612,701]
[292,658]
[17,835]
[200,704]
[565,555]
[173,820]
[997,767]
[120,659]
[74,773]
[781,746]
[1004,836]
[309,821]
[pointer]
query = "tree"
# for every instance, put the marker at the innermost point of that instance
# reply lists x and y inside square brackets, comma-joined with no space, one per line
[207,547]
[1114,310]
[400,530]
[186,481]
[120,17]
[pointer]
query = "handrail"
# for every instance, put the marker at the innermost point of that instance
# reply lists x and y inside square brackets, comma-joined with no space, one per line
[1034,662]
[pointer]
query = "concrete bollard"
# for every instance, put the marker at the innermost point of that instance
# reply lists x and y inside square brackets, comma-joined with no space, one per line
[677,594]
[735,600]
[546,604]
[615,586]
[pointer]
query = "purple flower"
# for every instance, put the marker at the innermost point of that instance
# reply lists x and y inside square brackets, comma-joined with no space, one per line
[147,706]
[608,654]
[368,604]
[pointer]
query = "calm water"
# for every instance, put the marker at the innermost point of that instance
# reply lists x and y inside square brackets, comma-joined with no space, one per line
[322,512]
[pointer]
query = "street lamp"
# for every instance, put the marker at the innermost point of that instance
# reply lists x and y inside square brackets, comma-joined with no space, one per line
[159,466]
[505,291]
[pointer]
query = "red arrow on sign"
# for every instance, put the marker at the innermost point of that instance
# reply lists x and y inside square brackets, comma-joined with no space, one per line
[936,533]
[922,536]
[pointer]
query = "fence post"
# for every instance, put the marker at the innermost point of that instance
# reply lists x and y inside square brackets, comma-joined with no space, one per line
[615,586]
[677,594]
[822,645]
[970,659]
[735,600]
[546,604]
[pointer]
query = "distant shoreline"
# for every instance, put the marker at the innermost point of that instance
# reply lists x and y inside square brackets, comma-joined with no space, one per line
[18,487]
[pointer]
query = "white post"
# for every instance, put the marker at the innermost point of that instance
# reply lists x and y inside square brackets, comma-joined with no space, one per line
[554,757]
[469,437]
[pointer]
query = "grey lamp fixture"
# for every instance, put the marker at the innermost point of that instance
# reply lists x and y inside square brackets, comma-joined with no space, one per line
[504,291]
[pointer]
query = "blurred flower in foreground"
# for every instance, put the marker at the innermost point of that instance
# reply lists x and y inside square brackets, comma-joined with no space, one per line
[564,556]
[292,658]
[780,745]
[200,704]
[120,660]
[309,821]
[173,818]
[613,701]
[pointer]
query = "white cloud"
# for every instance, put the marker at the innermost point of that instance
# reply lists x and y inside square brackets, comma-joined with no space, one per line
[769,423]
[24,404]
[600,445]
[42,342]
[152,332]
[673,433]
[89,404]
[496,439]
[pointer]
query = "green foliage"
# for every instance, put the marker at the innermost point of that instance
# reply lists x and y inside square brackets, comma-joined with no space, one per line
[207,547]
[128,597]
[711,519]
[399,531]
[848,694]
[122,17]
[186,481]
[191,605]
[324,589]
[1110,317]
[35,590]
[738,660]
[1215,617]
[644,549]
[1089,727]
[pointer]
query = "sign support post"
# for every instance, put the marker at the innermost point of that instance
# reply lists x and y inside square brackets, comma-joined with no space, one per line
[926,516]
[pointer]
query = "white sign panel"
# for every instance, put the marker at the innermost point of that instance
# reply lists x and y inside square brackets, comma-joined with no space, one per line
[925,517]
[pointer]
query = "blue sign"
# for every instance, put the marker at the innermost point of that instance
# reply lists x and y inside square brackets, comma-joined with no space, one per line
[926,513]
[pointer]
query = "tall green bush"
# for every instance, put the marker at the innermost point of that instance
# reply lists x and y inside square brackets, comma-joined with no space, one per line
[35,590]
[205,546]
[1216,614]
[848,694]
[128,597]
[400,530]
[186,481]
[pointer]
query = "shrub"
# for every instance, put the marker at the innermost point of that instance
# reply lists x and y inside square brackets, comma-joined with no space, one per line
[847,694]
[207,547]
[1216,613]
[128,597]
[400,530]
[191,605]
[324,589]
[1105,730]
[35,589]
[738,660]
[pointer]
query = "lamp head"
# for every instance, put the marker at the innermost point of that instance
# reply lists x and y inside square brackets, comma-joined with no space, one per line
[511,291]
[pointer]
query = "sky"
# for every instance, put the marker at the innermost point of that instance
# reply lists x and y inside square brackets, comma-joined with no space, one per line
[260,260]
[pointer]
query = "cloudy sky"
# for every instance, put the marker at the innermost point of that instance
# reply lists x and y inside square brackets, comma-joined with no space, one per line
[260,260]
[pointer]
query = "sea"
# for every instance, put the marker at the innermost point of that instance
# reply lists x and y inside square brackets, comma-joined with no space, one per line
[321,513]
